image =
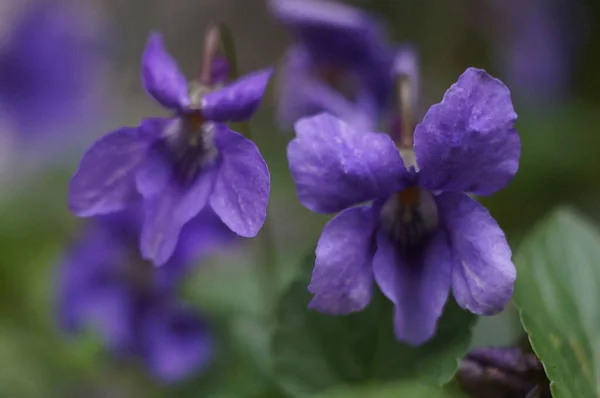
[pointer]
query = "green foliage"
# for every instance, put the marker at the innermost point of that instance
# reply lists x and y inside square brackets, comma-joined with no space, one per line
[558,295]
[313,352]
[393,390]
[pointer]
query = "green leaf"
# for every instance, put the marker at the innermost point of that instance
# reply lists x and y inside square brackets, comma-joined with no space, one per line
[394,390]
[559,301]
[313,352]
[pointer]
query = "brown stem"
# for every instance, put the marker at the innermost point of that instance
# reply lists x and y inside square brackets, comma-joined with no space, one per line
[212,44]
[406,112]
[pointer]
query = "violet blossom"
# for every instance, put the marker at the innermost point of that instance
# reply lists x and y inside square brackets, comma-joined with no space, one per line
[180,165]
[502,372]
[340,63]
[407,222]
[105,285]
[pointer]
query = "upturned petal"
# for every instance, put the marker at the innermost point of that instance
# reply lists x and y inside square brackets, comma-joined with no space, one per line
[175,343]
[241,191]
[161,76]
[483,274]
[334,166]
[418,286]
[467,143]
[105,180]
[166,213]
[342,280]
[237,101]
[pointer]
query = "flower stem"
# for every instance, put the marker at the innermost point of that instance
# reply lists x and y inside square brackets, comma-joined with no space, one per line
[406,112]
[212,42]
[267,265]
[404,140]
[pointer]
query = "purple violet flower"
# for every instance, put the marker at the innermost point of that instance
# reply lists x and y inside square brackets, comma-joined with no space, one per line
[105,284]
[340,63]
[420,233]
[495,372]
[180,165]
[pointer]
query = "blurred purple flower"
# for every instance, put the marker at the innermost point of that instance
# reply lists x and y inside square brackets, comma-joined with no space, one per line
[48,67]
[422,233]
[105,284]
[340,63]
[495,372]
[538,41]
[180,165]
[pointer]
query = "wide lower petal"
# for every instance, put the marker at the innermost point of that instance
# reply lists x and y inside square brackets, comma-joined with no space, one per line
[168,211]
[417,285]
[342,280]
[105,180]
[468,143]
[176,342]
[335,166]
[238,100]
[241,191]
[161,76]
[483,274]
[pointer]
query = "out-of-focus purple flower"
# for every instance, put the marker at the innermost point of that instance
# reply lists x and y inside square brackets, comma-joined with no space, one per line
[180,165]
[498,372]
[340,63]
[49,64]
[105,285]
[421,233]
[537,43]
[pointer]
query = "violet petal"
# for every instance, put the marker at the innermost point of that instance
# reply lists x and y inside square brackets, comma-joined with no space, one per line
[241,191]
[334,166]
[483,274]
[417,286]
[105,179]
[161,76]
[342,280]
[237,101]
[168,211]
[467,143]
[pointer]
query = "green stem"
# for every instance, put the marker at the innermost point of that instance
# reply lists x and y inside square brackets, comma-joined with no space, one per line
[267,265]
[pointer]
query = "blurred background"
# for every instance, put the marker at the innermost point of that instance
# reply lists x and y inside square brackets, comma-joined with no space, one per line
[70,72]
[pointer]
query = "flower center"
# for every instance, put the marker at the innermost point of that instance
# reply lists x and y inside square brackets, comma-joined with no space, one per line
[191,145]
[410,217]
[338,78]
